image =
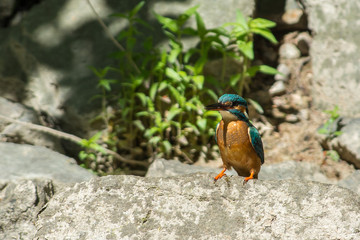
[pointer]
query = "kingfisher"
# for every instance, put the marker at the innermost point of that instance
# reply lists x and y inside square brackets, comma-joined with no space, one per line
[239,141]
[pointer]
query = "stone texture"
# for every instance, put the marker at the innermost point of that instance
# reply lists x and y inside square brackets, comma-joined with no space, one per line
[284,74]
[279,171]
[19,161]
[13,132]
[278,88]
[348,143]
[352,182]
[193,207]
[289,51]
[20,202]
[335,54]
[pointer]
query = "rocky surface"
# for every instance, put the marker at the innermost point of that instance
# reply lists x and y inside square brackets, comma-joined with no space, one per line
[334,52]
[13,132]
[20,161]
[194,207]
[20,203]
[347,145]
[301,171]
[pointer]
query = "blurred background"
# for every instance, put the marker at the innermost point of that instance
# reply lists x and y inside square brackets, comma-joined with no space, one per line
[116,85]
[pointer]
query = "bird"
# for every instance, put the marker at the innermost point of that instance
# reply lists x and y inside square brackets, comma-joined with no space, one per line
[238,139]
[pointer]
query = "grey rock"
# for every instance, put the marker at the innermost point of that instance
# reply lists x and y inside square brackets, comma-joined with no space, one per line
[167,168]
[194,207]
[348,143]
[20,161]
[303,42]
[46,59]
[278,88]
[335,54]
[20,202]
[285,73]
[292,16]
[291,118]
[352,182]
[14,132]
[294,170]
[279,171]
[289,51]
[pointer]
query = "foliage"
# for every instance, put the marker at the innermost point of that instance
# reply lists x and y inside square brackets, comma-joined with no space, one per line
[157,99]
[329,128]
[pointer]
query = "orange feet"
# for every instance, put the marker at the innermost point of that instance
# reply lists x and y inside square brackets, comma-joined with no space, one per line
[220,175]
[249,177]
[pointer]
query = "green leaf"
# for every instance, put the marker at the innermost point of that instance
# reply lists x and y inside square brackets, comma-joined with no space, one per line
[193,127]
[172,74]
[142,98]
[261,23]
[172,113]
[334,155]
[82,155]
[256,105]
[95,137]
[167,146]
[265,33]
[241,19]
[174,53]
[268,70]
[142,114]
[139,125]
[323,130]
[154,140]
[191,10]
[200,25]
[120,15]
[212,114]
[246,48]
[190,106]
[130,43]
[167,23]
[150,132]
[199,81]
[178,97]
[338,133]
[212,94]
[136,9]
[189,53]
[190,31]
[153,90]
[201,123]
[234,79]
[105,83]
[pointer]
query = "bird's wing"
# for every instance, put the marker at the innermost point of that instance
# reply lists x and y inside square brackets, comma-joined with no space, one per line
[256,142]
[216,129]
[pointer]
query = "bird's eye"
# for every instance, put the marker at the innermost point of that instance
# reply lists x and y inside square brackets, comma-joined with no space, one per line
[228,104]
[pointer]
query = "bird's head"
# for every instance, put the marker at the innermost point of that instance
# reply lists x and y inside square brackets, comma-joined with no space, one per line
[230,106]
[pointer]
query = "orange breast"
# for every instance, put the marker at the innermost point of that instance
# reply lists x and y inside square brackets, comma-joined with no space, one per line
[236,149]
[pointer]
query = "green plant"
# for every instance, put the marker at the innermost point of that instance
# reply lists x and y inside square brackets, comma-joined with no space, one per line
[157,96]
[329,128]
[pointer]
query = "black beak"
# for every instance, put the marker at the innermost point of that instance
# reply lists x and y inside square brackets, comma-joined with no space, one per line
[215,107]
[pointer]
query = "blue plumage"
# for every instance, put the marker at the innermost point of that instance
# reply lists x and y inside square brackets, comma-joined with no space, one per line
[256,142]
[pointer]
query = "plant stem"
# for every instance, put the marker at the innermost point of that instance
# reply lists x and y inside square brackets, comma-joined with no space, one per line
[116,43]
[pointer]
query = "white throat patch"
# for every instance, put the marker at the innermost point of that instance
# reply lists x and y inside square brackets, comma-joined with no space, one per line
[228,116]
